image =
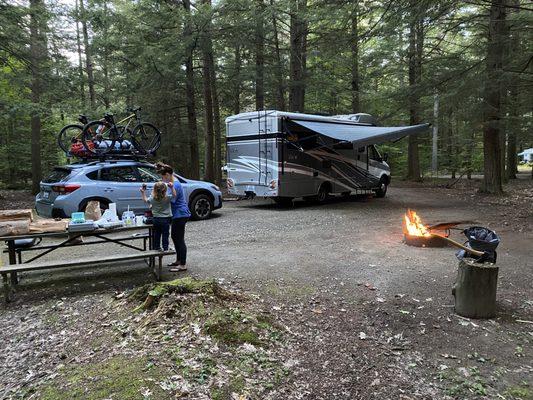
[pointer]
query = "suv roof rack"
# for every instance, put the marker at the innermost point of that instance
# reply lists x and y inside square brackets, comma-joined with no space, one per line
[112,157]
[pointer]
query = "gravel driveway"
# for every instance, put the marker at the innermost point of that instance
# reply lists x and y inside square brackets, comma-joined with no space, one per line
[372,317]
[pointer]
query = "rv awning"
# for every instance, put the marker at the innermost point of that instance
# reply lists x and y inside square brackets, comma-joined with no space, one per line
[361,135]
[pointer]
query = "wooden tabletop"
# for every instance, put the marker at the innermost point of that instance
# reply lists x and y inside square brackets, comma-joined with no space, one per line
[65,233]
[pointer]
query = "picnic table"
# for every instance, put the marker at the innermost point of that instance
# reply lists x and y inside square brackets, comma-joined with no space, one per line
[16,264]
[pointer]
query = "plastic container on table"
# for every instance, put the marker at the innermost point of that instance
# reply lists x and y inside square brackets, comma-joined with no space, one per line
[128,218]
[77,218]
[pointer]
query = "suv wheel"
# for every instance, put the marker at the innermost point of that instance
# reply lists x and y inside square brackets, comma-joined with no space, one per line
[201,207]
[104,205]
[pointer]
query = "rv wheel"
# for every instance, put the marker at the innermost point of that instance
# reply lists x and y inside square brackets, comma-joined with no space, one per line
[382,190]
[322,194]
[283,201]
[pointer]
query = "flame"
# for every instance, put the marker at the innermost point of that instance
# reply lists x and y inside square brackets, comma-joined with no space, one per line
[413,225]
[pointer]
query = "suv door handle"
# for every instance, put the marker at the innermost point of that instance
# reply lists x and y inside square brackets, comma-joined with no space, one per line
[108,190]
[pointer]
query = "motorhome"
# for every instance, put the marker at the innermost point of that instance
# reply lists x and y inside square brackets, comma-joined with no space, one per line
[284,155]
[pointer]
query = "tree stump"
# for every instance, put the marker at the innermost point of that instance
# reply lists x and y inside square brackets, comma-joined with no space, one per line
[475,289]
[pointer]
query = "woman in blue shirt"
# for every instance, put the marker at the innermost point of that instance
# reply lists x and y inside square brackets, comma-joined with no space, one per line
[180,216]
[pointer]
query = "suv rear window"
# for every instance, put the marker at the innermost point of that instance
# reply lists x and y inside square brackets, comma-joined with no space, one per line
[93,175]
[57,175]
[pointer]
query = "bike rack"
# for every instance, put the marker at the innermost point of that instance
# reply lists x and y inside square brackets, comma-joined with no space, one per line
[111,156]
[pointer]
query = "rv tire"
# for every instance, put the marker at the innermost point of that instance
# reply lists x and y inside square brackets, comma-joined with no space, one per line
[283,201]
[321,196]
[323,192]
[382,190]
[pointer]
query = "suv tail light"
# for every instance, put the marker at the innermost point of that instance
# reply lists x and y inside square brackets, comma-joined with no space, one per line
[230,183]
[63,189]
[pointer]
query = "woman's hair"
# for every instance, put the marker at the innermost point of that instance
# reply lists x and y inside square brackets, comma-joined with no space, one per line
[160,191]
[163,168]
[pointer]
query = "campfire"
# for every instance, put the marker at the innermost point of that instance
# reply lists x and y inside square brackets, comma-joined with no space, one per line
[420,235]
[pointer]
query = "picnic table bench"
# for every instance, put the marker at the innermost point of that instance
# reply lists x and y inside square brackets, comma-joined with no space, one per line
[71,240]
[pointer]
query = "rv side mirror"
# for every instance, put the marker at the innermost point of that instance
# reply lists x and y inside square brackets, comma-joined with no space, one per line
[385,157]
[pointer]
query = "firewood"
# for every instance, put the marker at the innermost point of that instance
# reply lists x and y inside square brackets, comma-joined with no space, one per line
[12,228]
[16,215]
[48,225]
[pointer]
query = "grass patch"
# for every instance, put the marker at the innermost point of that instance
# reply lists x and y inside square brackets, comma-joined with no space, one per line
[461,385]
[235,385]
[233,327]
[117,377]
[520,392]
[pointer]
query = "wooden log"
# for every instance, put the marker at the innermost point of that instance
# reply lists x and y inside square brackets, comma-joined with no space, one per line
[16,215]
[48,225]
[12,228]
[475,289]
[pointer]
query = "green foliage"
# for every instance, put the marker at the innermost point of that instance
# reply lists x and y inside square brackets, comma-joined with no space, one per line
[139,51]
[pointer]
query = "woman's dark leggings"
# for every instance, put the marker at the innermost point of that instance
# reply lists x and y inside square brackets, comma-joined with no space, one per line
[177,234]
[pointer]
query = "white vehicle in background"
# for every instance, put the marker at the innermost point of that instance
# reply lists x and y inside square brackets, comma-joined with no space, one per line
[285,155]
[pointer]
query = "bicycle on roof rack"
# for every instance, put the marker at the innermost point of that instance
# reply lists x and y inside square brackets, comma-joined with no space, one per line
[70,134]
[104,136]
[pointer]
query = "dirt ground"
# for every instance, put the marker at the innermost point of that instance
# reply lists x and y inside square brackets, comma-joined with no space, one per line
[364,316]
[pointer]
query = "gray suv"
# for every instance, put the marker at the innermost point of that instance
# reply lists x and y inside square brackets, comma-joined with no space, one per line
[69,188]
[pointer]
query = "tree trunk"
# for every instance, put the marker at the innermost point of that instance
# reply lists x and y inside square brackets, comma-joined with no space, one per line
[217,130]
[12,167]
[298,50]
[208,75]
[454,134]
[177,156]
[237,81]
[513,103]
[435,141]
[259,56]
[492,178]
[88,57]
[354,46]
[191,101]
[415,51]
[37,57]
[280,86]
[105,62]
[208,108]
[80,61]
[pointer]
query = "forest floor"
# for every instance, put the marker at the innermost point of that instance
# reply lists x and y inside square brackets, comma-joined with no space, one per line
[314,302]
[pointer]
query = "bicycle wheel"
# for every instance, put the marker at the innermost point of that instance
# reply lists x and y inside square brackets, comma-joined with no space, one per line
[98,138]
[146,138]
[68,136]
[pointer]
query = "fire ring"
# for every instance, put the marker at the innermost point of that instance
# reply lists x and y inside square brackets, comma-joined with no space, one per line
[419,235]
[424,241]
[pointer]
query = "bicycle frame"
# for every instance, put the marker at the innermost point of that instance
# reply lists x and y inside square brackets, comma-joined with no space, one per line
[129,118]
